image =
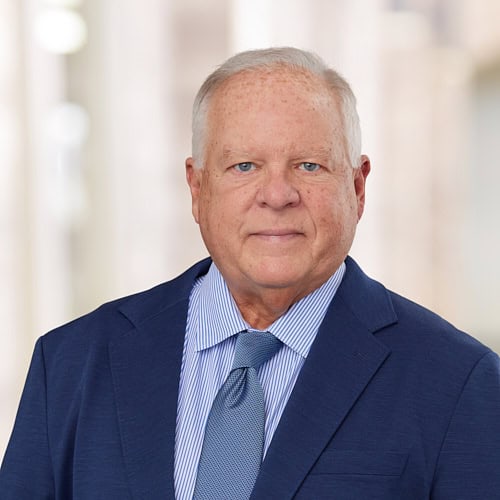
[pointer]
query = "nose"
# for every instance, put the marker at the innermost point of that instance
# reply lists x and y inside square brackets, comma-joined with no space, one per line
[278,190]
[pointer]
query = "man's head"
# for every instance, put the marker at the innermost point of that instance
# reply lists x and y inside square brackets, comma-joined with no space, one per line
[275,187]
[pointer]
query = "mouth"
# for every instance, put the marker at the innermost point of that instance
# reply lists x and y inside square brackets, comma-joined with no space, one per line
[277,235]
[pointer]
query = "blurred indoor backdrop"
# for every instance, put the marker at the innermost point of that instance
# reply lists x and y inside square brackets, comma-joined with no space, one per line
[95,103]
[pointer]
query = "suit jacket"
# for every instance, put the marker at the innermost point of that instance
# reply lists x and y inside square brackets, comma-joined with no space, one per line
[392,403]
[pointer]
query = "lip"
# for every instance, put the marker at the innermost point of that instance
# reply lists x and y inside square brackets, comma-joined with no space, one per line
[277,232]
[277,235]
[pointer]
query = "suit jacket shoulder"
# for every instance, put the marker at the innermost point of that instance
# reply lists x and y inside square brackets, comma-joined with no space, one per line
[115,318]
[397,320]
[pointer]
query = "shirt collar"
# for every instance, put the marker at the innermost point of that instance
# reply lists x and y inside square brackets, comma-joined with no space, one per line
[218,316]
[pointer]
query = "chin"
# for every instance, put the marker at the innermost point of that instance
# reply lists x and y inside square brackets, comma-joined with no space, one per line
[276,277]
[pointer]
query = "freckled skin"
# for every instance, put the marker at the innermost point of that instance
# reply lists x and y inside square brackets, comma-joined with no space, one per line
[277,231]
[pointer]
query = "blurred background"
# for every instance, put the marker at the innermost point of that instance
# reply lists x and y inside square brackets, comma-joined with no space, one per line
[95,103]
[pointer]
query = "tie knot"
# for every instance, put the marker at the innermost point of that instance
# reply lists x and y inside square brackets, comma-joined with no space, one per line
[254,349]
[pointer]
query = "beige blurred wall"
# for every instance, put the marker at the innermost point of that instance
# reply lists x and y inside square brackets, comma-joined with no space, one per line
[93,203]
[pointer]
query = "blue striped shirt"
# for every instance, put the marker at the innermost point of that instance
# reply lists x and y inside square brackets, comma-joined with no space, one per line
[212,324]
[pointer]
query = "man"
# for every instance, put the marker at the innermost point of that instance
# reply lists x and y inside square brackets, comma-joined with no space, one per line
[365,395]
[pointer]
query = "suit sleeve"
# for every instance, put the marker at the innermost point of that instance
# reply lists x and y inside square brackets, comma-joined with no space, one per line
[26,471]
[469,462]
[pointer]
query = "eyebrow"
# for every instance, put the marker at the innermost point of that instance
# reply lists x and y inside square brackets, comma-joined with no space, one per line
[321,152]
[231,153]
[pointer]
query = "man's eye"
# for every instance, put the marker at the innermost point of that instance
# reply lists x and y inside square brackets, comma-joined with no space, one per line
[245,166]
[309,167]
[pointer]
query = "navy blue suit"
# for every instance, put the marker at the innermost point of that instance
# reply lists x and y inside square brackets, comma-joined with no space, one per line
[392,403]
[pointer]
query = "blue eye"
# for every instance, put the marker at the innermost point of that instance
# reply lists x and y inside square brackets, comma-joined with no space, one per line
[245,166]
[310,167]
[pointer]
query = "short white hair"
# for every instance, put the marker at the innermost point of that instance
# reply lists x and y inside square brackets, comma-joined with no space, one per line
[295,59]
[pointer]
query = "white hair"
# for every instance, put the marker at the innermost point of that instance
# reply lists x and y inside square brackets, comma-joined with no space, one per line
[272,58]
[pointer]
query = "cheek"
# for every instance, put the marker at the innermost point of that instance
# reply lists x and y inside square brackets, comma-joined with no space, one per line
[216,217]
[206,208]
[335,213]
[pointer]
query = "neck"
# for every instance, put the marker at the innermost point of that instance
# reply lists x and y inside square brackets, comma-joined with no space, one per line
[261,310]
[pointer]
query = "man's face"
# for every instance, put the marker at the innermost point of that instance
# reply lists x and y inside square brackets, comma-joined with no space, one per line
[275,199]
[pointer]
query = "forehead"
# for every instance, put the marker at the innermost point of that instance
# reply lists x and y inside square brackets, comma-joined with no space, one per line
[279,92]
[279,84]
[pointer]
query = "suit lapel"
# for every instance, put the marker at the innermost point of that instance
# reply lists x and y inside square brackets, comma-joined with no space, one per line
[145,364]
[343,359]
[146,370]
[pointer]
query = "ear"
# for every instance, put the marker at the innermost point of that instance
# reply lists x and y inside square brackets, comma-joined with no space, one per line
[360,175]
[194,180]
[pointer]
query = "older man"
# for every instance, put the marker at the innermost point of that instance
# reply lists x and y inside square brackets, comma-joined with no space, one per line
[276,369]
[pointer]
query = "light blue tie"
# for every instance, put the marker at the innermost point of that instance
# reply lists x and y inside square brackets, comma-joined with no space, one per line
[234,434]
